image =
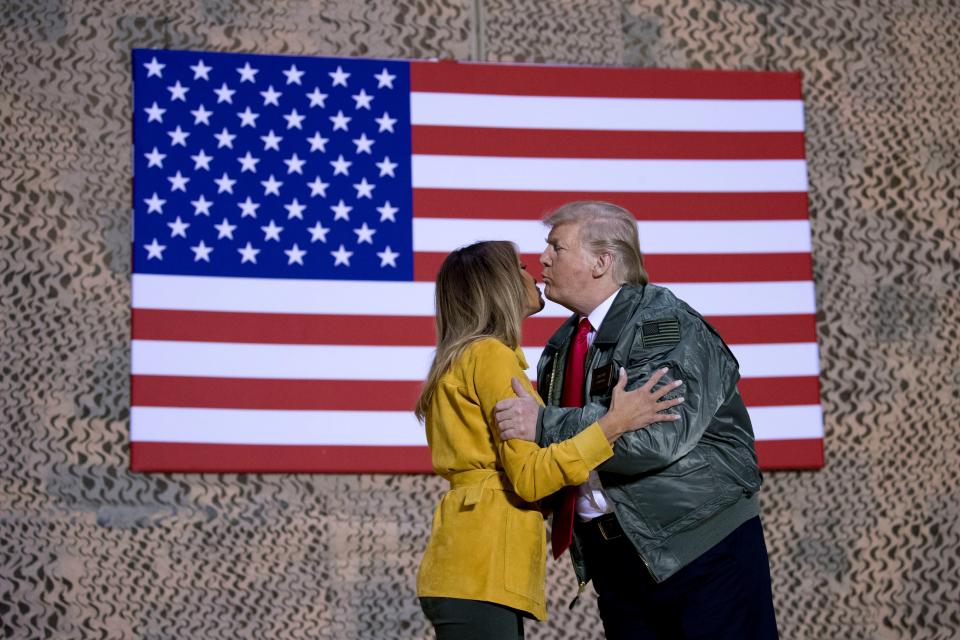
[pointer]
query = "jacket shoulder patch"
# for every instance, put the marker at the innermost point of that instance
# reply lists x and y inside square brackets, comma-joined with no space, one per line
[659,333]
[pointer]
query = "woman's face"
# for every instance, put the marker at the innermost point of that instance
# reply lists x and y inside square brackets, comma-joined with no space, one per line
[534,298]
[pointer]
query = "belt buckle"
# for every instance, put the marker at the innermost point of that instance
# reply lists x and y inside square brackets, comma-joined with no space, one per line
[615,532]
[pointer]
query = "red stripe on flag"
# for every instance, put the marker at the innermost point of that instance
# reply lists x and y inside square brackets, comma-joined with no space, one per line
[372,395]
[663,268]
[790,454]
[771,392]
[504,79]
[533,205]
[283,328]
[563,143]
[237,458]
[234,458]
[279,394]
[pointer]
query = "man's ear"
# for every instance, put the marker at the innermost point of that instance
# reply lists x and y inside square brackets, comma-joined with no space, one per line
[602,265]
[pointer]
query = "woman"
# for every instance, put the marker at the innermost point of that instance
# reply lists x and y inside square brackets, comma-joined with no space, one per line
[484,567]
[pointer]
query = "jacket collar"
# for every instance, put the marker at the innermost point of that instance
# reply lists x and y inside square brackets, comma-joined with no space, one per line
[629,298]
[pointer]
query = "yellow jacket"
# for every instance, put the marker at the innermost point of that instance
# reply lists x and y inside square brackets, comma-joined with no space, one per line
[488,541]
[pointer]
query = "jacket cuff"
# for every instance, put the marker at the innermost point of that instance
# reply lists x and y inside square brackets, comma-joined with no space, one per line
[538,434]
[592,445]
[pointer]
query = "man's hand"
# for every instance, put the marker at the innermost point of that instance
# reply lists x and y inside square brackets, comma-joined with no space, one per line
[517,417]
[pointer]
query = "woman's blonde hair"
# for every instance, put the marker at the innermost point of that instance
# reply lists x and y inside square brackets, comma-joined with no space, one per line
[479,294]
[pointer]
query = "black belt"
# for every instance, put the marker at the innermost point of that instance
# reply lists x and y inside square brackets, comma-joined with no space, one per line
[606,528]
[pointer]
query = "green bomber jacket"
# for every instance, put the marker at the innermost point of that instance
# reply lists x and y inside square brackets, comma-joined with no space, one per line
[680,487]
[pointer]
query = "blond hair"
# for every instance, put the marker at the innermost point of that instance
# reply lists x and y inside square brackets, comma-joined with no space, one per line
[605,229]
[479,294]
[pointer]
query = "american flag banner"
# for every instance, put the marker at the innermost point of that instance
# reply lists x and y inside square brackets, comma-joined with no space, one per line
[290,215]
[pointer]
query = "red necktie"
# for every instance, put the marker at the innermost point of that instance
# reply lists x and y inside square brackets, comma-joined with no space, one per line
[562,533]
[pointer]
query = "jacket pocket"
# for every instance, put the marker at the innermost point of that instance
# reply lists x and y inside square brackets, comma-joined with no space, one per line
[525,554]
[679,496]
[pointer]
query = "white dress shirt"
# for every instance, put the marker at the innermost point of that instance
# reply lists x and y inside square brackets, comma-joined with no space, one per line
[591,499]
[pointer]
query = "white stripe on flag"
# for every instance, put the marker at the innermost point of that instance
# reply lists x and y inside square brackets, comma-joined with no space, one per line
[339,362]
[256,295]
[398,428]
[766,236]
[795,422]
[610,114]
[575,174]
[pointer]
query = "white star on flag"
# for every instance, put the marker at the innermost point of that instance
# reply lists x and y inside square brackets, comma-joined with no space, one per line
[271,231]
[225,183]
[294,209]
[294,164]
[178,137]
[364,234]
[341,211]
[271,96]
[201,161]
[318,232]
[271,141]
[388,212]
[364,189]
[178,182]
[339,77]
[200,70]
[386,167]
[388,257]
[341,256]
[248,254]
[178,228]
[248,163]
[340,121]
[363,143]
[293,74]
[362,100]
[248,118]
[225,229]
[154,250]
[247,73]
[248,208]
[178,92]
[295,254]
[386,122]
[201,206]
[318,142]
[224,139]
[224,94]
[271,186]
[341,166]
[201,252]
[154,204]
[201,115]
[154,68]
[155,158]
[317,99]
[318,187]
[384,79]
[155,113]
[294,120]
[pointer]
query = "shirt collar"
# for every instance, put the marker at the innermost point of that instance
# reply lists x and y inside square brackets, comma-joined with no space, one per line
[597,315]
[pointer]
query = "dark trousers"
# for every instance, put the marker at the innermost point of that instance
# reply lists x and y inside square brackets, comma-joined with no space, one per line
[457,619]
[725,593]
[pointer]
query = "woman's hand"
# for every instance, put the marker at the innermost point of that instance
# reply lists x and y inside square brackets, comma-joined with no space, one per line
[632,410]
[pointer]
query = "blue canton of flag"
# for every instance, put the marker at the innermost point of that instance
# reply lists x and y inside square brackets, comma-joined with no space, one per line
[271,166]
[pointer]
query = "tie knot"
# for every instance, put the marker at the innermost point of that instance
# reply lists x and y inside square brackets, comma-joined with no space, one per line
[584,327]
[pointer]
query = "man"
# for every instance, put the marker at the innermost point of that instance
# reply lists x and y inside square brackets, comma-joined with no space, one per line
[669,529]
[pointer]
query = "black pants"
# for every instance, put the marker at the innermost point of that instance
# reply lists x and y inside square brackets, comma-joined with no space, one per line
[456,619]
[725,593]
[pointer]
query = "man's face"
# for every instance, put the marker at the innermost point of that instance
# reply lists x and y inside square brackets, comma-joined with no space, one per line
[567,266]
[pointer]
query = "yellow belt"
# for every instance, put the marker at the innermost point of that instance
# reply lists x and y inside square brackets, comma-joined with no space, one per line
[476,480]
